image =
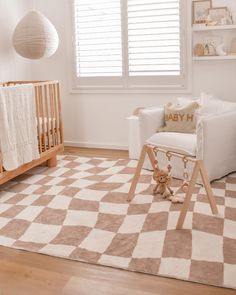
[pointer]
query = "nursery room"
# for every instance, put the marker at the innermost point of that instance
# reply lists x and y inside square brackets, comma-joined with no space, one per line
[118,147]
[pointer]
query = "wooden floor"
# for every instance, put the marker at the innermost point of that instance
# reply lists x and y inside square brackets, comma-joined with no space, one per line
[96,152]
[25,273]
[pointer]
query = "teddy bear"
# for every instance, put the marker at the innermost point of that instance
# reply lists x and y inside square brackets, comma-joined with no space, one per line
[163,180]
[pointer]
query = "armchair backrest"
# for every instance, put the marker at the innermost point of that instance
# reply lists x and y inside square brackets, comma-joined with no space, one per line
[211,105]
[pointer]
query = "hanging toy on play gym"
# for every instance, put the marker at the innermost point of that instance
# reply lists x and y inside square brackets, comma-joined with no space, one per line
[162,178]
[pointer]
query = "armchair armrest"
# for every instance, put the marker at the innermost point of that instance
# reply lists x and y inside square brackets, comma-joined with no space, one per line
[150,120]
[142,125]
[216,143]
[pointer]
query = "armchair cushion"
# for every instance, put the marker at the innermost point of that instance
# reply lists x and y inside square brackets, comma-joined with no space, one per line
[184,143]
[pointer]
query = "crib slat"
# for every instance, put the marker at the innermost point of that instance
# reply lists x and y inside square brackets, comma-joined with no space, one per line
[47,116]
[56,112]
[52,114]
[43,135]
[59,112]
[38,118]
[1,163]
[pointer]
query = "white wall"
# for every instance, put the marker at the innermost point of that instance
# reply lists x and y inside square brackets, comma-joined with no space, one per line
[99,119]
[12,66]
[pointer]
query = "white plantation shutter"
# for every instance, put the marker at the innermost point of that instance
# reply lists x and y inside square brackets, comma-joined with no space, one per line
[154,37]
[98,38]
[130,44]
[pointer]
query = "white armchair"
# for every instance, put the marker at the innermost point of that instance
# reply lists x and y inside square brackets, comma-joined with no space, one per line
[214,141]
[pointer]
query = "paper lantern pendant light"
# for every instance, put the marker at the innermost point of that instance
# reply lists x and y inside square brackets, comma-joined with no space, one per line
[35,36]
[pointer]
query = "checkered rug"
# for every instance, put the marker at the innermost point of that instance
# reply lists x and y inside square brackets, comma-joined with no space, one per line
[78,210]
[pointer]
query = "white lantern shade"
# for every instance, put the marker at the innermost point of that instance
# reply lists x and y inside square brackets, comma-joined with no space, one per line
[35,36]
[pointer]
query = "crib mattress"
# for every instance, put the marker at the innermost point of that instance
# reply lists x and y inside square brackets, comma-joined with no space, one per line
[51,124]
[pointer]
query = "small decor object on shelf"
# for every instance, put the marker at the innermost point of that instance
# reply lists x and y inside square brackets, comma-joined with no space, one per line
[233,47]
[200,11]
[229,18]
[199,49]
[212,42]
[210,22]
[211,49]
[218,16]
[234,16]
[220,50]
[206,50]
[35,36]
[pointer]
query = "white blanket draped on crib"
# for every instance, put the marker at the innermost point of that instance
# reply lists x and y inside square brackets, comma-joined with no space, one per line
[18,128]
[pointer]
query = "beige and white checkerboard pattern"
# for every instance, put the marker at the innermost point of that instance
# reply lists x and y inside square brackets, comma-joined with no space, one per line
[78,210]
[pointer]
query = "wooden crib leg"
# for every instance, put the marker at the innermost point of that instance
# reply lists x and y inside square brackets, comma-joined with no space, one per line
[52,162]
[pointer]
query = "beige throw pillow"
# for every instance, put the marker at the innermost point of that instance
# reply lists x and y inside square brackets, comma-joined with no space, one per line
[180,118]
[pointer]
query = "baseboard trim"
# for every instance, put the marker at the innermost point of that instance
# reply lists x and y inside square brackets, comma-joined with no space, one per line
[95,145]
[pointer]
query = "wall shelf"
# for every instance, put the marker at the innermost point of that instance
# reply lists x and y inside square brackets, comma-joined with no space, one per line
[225,32]
[229,57]
[214,28]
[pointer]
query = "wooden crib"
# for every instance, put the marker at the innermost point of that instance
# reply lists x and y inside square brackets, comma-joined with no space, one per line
[49,126]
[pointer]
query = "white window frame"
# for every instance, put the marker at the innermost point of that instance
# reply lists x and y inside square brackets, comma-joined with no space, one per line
[124,84]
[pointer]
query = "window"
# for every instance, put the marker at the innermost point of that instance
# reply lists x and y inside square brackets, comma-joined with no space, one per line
[130,44]
[98,38]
